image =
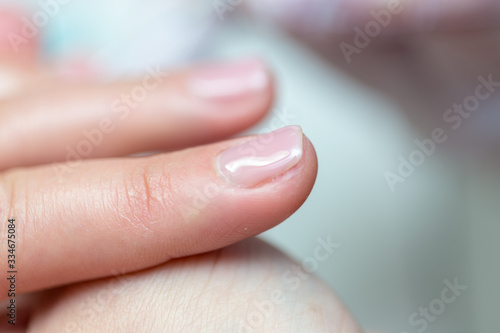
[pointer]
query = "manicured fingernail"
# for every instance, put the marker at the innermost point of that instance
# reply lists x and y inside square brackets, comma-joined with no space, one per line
[231,80]
[263,158]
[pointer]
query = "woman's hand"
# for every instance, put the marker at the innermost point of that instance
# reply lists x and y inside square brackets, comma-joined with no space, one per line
[247,287]
[83,219]
[96,214]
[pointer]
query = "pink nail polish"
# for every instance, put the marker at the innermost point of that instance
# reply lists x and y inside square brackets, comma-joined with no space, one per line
[263,158]
[230,80]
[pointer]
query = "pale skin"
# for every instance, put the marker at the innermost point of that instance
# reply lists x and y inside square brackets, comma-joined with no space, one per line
[156,272]
[111,230]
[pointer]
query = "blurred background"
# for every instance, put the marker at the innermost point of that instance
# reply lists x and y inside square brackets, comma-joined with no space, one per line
[398,245]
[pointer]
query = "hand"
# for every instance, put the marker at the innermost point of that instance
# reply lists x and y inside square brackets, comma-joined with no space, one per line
[111,215]
[247,287]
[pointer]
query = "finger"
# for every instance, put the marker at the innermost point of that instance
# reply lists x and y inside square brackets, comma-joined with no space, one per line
[159,112]
[123,215]
[248,287]
[18,54]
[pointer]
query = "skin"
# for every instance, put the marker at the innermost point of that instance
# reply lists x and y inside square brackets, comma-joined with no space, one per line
[215,292]
[173,269]
[112,224]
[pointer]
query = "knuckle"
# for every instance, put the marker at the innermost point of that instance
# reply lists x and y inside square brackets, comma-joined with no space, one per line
[142,200]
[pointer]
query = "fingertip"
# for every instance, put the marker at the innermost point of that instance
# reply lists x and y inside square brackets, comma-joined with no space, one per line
[158,207]
[253,206]
[310,158]
[230,96]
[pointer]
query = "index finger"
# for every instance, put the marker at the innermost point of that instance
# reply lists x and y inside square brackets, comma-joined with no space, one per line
[123,215]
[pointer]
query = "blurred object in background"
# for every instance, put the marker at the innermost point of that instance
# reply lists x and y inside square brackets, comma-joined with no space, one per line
[430,57]
[116,39]
[319,18]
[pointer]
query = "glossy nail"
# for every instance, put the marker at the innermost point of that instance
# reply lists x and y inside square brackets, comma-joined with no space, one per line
[262,158]
[230,80]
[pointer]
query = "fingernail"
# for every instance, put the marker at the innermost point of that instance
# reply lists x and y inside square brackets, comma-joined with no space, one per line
[231,80]
[263,158]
